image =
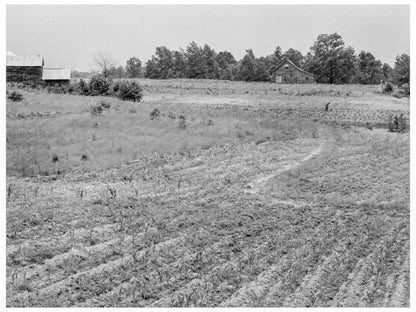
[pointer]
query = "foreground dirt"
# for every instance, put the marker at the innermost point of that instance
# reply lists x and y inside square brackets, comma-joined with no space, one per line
[297,223]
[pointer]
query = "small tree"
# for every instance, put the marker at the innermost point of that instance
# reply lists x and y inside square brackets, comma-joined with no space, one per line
[134,68]
[104,63]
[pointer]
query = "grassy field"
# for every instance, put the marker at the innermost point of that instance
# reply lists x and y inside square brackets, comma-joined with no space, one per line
[259,198]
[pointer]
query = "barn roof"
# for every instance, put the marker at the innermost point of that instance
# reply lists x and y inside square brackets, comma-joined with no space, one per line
[56,74]
[15,60]
[286,60]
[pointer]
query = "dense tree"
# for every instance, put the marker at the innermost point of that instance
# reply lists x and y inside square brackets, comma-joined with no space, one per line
[330,60]
[368,69]
[179,64]
[134,68]
[210,63]
[194,65]
[278,54]
[345,66]
[263,69]
[274,59]
[201,62]
[294,56]
[248,67]
[402,69]
[116,72]
[151,70]
[160,66]
[227,65]
[387,72]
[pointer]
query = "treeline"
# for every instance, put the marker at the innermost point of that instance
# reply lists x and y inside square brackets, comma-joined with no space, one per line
[329,59]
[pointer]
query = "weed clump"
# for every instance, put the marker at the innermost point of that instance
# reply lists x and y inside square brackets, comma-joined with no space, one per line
[397,123]
[182,122]
[55,158]
[84,157]
[154,114]
[15,96]
[96,110]
[387,87]
[105,105]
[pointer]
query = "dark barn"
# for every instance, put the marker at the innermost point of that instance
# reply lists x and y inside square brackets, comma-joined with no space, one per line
[23,68]
[287,72]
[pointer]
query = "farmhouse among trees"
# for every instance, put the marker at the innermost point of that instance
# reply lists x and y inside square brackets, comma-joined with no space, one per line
[288,72]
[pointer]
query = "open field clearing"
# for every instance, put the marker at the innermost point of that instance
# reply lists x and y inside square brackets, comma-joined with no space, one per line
[261,199]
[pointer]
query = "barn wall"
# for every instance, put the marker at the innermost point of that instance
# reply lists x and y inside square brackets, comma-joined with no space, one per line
[293,75]
[24,73]
[57,82]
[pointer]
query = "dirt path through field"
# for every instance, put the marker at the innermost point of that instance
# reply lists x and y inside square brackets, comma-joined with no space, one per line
[261,181]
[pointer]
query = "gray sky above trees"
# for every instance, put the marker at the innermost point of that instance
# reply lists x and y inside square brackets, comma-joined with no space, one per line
[69,36]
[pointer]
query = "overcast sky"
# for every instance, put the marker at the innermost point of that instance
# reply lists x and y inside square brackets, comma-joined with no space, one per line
[69,36]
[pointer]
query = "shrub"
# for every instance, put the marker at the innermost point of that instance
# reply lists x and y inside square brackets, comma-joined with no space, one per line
[105,105]
[99,85]
[55,158]
[182,122]
[82,87]
[58,88]
[15,96]
[397,123]
[387,87]
[96,109]
[127,90]
[155,113]
[404,89]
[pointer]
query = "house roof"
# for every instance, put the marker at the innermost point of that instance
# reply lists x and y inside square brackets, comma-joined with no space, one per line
[56,74]
[15,60]
[286,60]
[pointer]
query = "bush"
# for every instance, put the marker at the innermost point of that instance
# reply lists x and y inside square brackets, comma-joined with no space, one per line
[96,109]
[387,87]
[58,88]
[99,85]
[127,90]
[404,89]
[82,88]
[182,122]
[397,123]
[15,96]
[105,105]
[155,113]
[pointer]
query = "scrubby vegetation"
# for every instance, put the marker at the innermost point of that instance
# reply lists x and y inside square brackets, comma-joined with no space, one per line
[100,86]
[127,90]
[15,96]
